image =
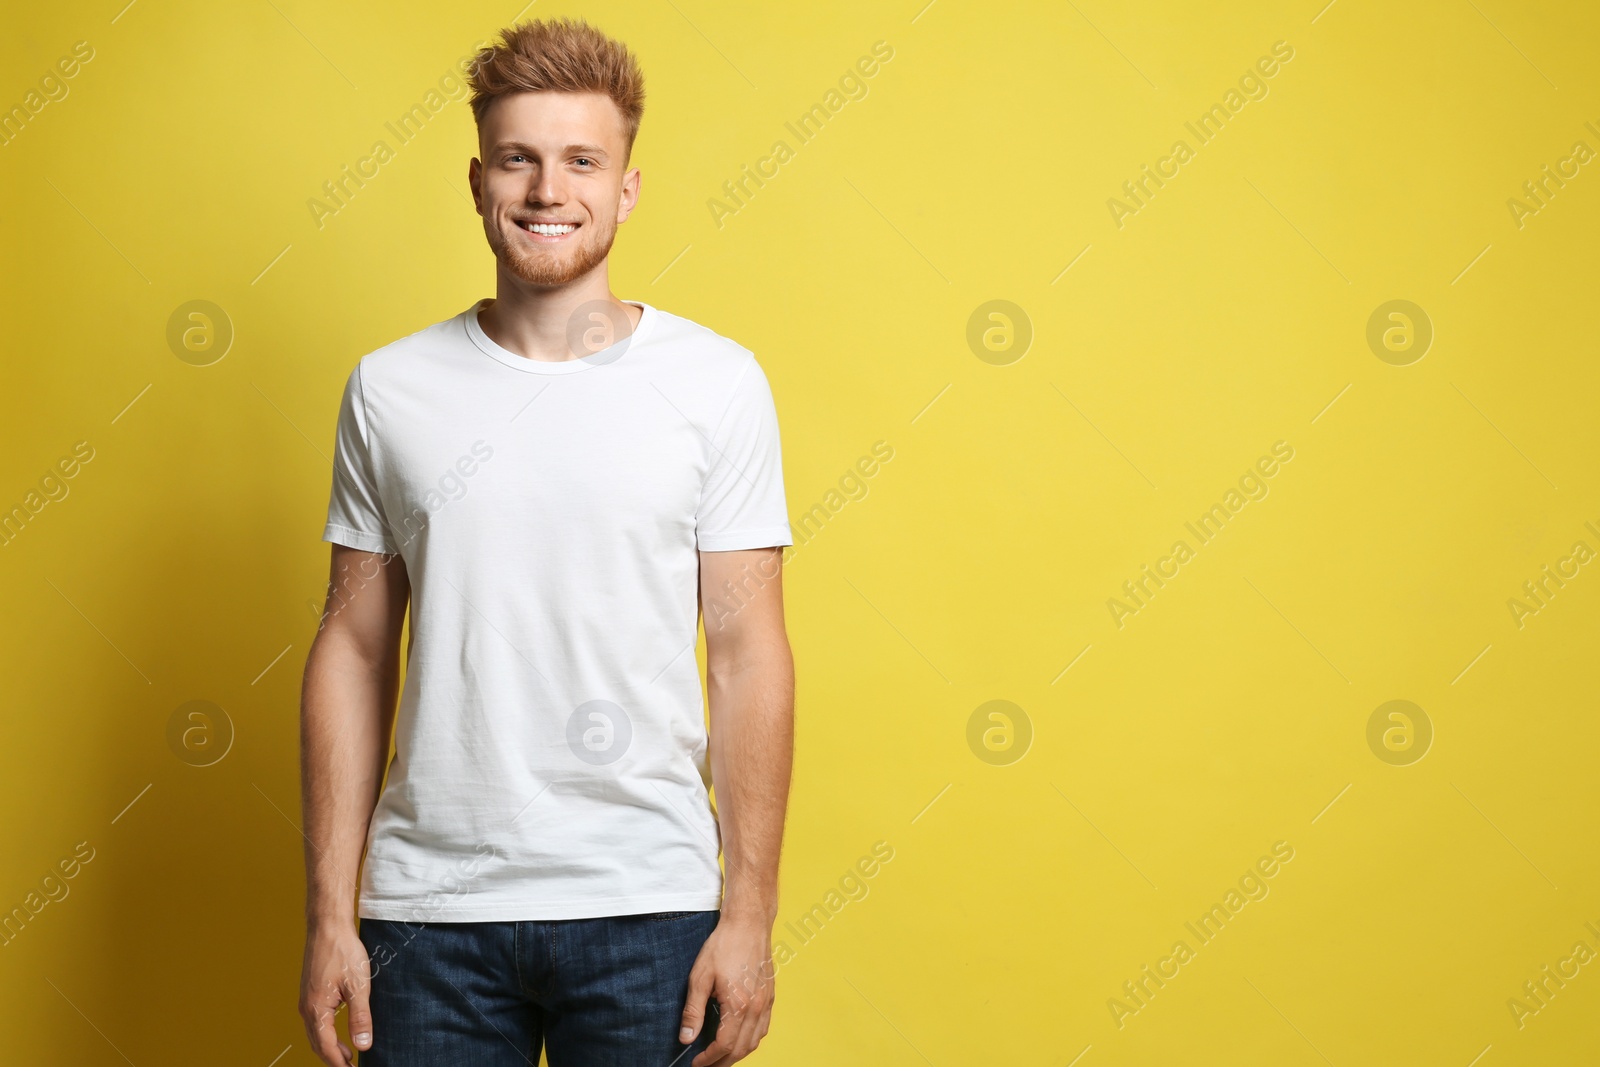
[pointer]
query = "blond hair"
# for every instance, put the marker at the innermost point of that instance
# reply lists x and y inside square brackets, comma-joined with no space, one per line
[559,55]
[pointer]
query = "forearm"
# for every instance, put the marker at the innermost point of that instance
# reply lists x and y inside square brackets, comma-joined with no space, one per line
[752,757]
[347,708]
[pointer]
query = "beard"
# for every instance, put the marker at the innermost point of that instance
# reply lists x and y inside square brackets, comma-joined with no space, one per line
[554,265]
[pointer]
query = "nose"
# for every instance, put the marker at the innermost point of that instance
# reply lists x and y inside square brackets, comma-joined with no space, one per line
[547,189]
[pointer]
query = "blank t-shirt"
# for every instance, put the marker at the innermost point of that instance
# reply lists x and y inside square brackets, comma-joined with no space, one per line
[550,742]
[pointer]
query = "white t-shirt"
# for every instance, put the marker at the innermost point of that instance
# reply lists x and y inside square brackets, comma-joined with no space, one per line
[550,743]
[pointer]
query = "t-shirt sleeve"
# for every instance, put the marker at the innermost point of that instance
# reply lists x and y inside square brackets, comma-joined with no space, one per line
[742,503]
[355,507]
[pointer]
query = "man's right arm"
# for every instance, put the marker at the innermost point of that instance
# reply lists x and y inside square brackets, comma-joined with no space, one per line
[347,708]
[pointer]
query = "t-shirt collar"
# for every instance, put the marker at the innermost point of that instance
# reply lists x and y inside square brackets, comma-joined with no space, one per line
[601,358]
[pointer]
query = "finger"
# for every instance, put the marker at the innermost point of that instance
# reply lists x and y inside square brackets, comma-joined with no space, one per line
[325,1038]
[751,1025]
[694,1009]
[717,1053]
[314,1041]
[360,1014]
[744,1041]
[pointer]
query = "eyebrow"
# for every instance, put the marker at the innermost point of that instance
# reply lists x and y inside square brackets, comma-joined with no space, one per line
[532,150]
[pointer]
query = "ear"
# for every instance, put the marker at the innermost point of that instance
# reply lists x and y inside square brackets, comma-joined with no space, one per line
[630,194]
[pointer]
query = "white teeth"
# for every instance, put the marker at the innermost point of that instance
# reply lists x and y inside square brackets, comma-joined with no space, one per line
[548,230]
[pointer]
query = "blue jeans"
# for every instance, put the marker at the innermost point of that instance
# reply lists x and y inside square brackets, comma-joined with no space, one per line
[605,992]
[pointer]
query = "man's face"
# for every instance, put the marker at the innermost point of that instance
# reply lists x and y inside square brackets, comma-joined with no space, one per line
[552,158]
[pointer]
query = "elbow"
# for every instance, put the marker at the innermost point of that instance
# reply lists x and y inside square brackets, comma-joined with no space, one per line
[769,658]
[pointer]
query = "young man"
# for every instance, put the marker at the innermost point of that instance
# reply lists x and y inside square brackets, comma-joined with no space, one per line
[555,479]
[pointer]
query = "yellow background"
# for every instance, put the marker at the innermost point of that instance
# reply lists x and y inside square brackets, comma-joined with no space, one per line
[1229,313]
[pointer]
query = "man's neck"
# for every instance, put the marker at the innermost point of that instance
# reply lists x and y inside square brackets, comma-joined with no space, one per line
[555,325]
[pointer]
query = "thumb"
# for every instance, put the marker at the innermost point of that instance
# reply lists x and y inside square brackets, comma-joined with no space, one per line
[360,1015]
[694,1009]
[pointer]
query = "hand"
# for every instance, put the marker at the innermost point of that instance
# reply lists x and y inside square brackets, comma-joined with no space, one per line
[735,966]
[336,971]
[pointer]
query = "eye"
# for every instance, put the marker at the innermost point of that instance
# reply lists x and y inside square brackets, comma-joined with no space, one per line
[584,159]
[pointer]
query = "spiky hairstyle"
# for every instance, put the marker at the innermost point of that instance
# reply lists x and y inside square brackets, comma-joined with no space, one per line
[559,55]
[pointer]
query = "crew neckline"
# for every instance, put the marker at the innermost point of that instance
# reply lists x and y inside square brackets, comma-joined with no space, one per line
[604,357]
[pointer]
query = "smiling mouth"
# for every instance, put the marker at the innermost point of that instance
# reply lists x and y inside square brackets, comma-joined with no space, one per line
[547,231]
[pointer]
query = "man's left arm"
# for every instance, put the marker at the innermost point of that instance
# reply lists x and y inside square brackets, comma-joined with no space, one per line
[750,685]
